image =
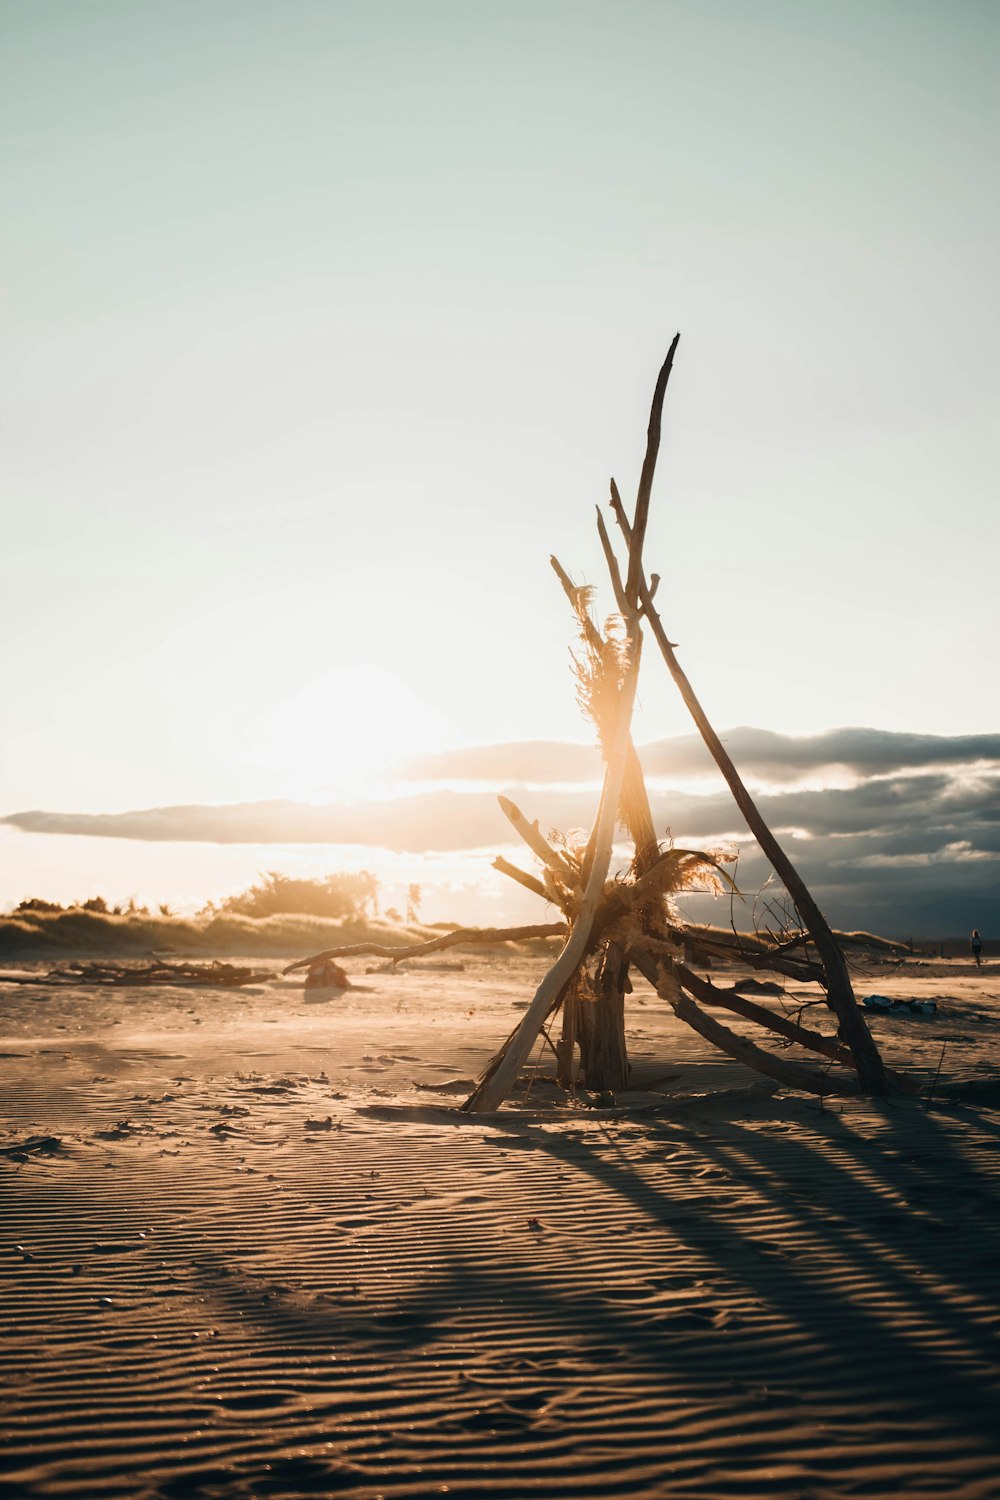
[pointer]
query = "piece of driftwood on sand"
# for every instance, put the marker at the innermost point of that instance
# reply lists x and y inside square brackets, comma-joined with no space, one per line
[613,925]
[216,975]
[396,952]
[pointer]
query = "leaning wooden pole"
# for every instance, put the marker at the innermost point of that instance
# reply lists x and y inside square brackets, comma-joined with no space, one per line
[636,813]
[870,1067]
[499,1079]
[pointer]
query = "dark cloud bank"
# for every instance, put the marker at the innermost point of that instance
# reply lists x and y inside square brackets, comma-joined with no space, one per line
[912,849]
[758,752]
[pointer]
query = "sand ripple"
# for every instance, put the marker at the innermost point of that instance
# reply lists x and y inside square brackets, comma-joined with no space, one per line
[762,1300]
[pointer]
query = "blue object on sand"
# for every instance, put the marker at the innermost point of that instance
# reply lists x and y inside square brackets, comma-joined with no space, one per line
[911,1007]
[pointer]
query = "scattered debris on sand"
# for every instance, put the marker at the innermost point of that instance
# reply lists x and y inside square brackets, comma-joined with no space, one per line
[216,974]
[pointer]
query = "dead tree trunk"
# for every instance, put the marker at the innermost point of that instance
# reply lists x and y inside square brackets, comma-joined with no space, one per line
[600,1025]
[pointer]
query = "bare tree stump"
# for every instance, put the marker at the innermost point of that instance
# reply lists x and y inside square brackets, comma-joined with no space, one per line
[600,1025]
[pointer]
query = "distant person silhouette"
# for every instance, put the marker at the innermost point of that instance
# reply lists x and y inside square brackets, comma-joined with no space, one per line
[977,947]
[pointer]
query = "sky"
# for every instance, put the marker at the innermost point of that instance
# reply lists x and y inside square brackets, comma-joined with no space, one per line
[325,324]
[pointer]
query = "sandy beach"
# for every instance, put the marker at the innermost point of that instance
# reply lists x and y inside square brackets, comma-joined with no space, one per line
[250,1248]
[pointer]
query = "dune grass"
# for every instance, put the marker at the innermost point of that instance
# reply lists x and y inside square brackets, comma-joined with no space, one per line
[78,933]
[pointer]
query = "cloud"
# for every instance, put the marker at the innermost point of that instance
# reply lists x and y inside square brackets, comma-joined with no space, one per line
[913,848]
[757,752]
[432,820]
[864,752]
[518,763]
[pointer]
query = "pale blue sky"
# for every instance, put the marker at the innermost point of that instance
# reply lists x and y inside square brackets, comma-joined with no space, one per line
[325,323]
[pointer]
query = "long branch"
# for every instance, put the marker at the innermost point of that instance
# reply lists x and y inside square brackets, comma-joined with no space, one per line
[638,536]
[832,1047]
[720,945]
[799,1076]
[871,1069]
[636,811]
[433,945]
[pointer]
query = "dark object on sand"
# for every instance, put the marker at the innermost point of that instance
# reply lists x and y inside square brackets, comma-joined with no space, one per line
[894,1007]
[35,1145]
[327,975]
[758,987]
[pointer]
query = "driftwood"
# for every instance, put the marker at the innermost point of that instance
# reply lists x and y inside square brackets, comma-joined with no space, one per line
[535,840]
[521,876]
[871,1069]
[600,917]
[610,926]
[800,1076]
[206,976]
[432,945]
[782,1025]
[616,745]
[500,1076]
[793,1075]
[636,813]
[730,999]
[600,1023]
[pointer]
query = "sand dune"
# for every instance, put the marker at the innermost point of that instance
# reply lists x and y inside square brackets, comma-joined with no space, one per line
[267,1258]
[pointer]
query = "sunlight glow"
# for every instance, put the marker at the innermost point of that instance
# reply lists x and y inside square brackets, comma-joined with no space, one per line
[344,728]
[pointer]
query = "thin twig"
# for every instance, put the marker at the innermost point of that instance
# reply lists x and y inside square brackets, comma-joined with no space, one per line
[937,1075]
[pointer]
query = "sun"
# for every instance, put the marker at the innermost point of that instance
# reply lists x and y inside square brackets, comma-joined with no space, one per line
[342,731]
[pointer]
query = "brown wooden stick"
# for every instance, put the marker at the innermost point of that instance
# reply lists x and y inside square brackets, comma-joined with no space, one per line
[636,811]
[871,1068]
[618,588]
[497,1083]
[793,1075]
[433,945]
[522,877]
[760,957]
[594,638]
[730,999]
[536,841]
[567,1042]
[638,535]
[710,994]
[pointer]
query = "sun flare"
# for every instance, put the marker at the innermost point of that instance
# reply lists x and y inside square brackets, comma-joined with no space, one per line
[341,731]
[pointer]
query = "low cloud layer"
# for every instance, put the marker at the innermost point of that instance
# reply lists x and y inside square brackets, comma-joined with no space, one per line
[912,849]
[780,758]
